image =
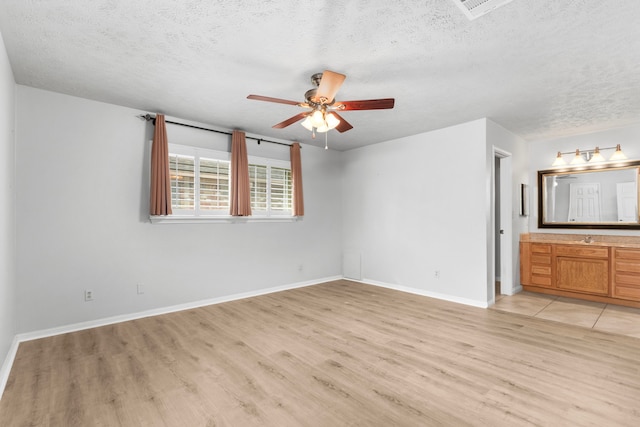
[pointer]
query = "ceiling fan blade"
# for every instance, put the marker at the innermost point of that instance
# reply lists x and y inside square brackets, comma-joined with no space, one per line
[329,85]
[269,99]
[344,125]
[367,104]
[290,121]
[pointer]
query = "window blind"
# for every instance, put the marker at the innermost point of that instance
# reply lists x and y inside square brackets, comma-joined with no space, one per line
[281,194]
[181,169]
[214,185]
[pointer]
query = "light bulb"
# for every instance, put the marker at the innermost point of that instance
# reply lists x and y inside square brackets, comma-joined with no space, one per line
[332,121]
[317,119]
[597,157]
[323,128]
[578,159]
[618,155]
[307,123]
[559,161]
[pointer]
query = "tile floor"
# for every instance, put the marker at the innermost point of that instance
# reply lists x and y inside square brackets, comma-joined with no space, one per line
[600,316]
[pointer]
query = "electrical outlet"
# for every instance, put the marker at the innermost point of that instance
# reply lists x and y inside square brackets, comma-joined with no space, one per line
[88,295]
[436,274]
[140,289]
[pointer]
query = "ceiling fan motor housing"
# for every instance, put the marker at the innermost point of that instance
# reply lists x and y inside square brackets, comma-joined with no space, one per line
[315,102]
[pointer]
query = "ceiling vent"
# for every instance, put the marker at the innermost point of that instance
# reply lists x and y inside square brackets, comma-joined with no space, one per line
[476,8]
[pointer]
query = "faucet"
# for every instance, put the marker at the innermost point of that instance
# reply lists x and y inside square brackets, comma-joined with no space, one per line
[588,239]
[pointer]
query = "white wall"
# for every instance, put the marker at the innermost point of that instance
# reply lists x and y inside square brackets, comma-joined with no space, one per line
[7,206]
[82,203]
[542,153]
[417,205]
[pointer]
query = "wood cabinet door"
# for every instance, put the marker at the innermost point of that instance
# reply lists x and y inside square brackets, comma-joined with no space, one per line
[585,275]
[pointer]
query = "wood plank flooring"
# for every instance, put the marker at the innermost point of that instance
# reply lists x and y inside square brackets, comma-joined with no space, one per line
[335,354]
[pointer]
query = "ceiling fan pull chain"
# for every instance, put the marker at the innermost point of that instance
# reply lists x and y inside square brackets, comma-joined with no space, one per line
[326,145]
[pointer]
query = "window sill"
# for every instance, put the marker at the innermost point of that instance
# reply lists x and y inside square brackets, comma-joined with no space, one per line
[178,219]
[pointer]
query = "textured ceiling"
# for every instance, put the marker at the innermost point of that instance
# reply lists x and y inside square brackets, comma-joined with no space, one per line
[541,68]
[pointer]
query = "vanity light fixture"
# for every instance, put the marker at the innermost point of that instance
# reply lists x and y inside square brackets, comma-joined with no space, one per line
[592,156]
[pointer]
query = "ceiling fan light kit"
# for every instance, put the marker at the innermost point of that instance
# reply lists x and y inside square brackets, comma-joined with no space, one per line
[322,107]
[320,121]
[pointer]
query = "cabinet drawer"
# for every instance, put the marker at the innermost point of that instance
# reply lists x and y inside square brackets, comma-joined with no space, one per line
[582,251]
[627,292]
[628,266]
[541,280]
[538,248]
[541,270]
[633,254]
[541,259]
[627,279]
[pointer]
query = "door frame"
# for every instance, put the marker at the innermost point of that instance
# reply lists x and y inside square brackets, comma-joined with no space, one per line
[506,222]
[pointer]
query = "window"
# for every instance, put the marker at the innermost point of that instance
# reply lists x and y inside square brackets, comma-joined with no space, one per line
[271,192]
[201,184]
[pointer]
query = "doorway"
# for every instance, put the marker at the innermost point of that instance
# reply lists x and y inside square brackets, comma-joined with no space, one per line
[502,254]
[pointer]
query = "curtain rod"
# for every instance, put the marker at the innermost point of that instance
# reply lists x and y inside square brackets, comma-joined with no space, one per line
[149,117]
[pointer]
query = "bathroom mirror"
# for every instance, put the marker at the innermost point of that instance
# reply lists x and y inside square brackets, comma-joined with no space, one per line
[601,196]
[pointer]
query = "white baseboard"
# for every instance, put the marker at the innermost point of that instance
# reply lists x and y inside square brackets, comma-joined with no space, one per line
[8,363]
[28,336]
[445,297]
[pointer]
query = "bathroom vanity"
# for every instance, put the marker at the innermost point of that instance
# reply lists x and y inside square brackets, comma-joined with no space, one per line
[601,268]
[596,268]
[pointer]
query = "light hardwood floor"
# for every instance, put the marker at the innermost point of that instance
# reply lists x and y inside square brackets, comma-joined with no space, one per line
[335,354]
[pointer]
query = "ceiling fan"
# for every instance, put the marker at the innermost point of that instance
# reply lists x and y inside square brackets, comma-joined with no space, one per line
[322,114]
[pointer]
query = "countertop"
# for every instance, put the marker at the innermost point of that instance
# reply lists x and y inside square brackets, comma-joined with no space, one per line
[578,239]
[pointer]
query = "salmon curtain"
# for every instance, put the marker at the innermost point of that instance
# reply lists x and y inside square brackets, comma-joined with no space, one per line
[296,180]
[160,178]
[240,186]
